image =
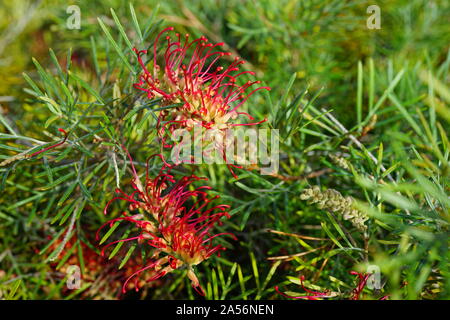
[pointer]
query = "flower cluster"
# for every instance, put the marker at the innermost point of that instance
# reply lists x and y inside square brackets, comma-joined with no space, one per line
[205,90]
[195,89]
[332,200]
[172,221]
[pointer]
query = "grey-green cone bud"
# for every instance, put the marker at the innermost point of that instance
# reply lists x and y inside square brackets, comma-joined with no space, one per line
[333,201]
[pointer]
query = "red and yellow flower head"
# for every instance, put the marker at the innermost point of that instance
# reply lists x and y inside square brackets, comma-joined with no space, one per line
[173,222]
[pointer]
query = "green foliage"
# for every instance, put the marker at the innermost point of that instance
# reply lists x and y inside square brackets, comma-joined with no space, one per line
[364,112]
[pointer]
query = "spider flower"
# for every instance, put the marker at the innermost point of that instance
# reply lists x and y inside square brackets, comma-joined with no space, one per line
[195,88]
[173,222]
[190,75]
[355,294]
[312,295]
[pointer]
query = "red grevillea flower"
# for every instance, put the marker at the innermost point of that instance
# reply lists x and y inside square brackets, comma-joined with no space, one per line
[312,295]
[172,221]
[315,295]
[362,281]
[201,92]
[190,75]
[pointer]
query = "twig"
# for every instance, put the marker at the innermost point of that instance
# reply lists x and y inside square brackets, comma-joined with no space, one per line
[292,256]
[317,275]
[310,175]
[66,239]
[357,142]
[296,235]
[116,169]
